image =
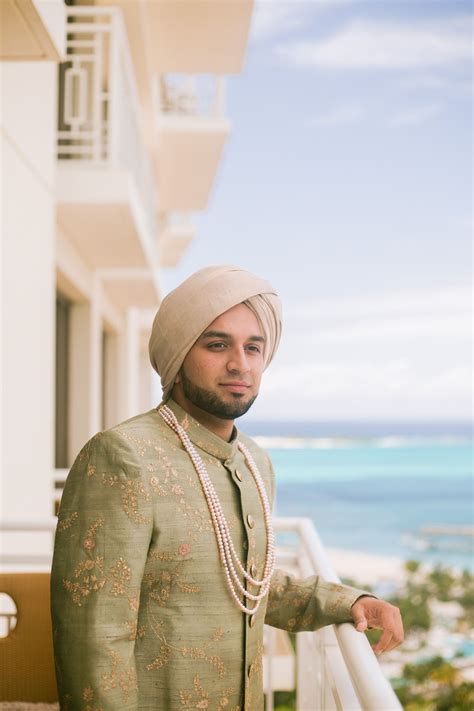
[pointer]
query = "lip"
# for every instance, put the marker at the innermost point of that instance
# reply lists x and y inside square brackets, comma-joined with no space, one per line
[236,386]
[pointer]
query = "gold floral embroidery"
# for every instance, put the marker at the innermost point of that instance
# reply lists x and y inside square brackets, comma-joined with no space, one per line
[89,540]
[134,603]
[141,444]
[87,696]
[163,582]
[134,631]
[196,653]
[217,634]
[85,451]
[91,579]
[162,555]
[120,675]
[337,604]
[165,484]
[199,698]
[186,588]
[202,700]
[132,490]
[184,549]
[88,693]
[122,574]
[67,522]
[162,659]
[91,470]
[156,486]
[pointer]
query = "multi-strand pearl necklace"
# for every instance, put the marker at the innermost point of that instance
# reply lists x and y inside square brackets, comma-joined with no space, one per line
[226,547]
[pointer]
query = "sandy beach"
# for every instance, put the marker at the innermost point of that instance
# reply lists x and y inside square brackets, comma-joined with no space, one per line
[366,567]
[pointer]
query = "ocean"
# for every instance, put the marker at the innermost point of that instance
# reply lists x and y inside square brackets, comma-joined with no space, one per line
[375,487]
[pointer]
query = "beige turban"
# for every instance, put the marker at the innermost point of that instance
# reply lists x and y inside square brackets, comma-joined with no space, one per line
[186,311]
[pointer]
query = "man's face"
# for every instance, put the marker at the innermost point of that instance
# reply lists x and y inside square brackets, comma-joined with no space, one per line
[221,373]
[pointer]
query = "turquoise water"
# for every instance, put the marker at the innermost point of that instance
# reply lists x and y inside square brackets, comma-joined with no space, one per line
[376,493]
[362,461]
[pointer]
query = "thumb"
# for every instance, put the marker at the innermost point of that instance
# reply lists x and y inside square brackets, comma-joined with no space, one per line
[360,622]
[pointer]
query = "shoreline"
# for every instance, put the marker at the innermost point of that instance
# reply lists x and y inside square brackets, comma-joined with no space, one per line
[367,568]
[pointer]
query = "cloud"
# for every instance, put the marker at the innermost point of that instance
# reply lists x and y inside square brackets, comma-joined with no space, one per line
[437,81]
[415,116]
[397,355]
[392,390]
[365,44]
[339,116]
[426,302]
[275,17]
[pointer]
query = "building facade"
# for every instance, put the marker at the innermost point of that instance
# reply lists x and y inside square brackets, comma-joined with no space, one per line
[113,125]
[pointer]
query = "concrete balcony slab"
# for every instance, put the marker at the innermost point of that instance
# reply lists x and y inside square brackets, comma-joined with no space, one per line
[32,30]
[189,154]
[99,210]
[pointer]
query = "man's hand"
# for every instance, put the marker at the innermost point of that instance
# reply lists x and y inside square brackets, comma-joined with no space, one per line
[367,613]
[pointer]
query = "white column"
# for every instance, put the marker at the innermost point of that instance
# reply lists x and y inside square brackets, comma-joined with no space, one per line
[111,384]
[27,201]
[85,369]
[145,375]
[28,146]
[129,362]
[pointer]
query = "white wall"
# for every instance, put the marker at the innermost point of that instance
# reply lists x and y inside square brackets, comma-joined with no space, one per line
[28,124]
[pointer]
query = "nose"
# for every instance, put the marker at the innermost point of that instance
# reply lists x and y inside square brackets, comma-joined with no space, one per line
[238,361]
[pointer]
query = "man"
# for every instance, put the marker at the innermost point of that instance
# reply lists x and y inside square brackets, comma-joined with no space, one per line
[163,572]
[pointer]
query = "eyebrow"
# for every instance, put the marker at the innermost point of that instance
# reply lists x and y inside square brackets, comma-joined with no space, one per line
[223,334]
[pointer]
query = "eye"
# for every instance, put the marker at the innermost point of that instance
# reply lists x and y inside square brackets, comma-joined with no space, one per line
[216,346]
[253,348]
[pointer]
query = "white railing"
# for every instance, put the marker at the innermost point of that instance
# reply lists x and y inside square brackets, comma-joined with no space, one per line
[99,116]
[184,96]
[335,667]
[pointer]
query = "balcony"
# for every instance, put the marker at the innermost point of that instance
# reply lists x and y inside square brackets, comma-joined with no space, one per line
[106,190]
[192,132]
[32,30]
[176,232]
[333,669]
[189,36]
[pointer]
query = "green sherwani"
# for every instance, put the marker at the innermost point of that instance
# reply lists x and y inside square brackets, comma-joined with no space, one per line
[142,617]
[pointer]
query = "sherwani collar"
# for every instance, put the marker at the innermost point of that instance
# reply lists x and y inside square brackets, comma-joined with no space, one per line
[204,438]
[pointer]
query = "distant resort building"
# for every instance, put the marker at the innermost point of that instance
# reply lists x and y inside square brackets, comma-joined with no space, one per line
[113,124]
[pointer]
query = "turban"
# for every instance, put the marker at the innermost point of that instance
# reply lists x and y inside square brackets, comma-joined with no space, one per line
[186,311]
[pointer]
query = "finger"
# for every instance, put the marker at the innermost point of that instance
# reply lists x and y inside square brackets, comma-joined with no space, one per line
[360,623]
[397,631]
[383,642]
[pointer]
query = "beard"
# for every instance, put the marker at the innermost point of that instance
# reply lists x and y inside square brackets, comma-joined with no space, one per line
[210,402]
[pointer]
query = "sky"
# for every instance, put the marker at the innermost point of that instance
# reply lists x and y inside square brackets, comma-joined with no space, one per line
[347,183]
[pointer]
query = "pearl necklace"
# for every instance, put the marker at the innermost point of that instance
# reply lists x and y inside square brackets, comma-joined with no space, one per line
[227,552]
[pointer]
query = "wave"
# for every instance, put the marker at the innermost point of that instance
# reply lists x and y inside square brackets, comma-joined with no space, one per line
[385,442]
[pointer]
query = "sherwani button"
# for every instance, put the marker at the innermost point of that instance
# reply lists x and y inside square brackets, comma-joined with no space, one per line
[252,621]
[253,570]
[238,475]
[250,521]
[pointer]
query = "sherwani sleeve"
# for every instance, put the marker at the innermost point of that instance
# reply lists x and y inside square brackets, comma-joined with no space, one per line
[102,540]
[304,605]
